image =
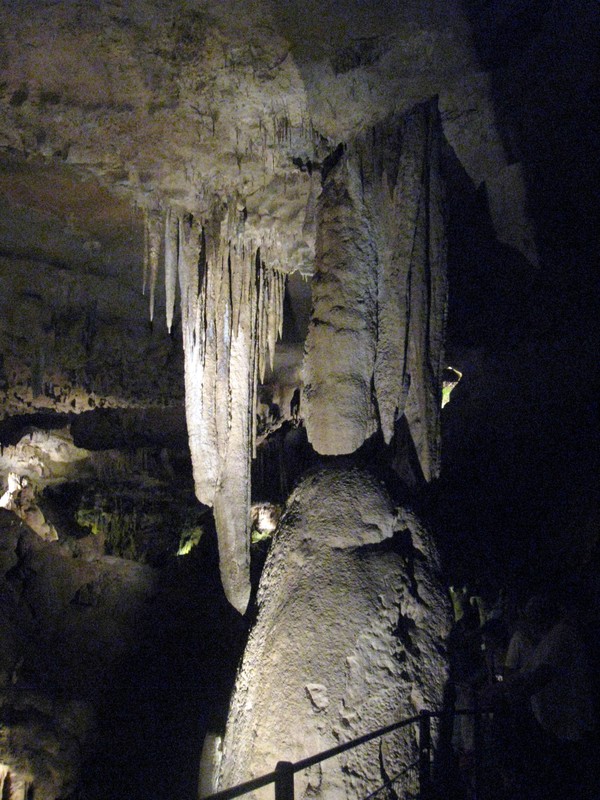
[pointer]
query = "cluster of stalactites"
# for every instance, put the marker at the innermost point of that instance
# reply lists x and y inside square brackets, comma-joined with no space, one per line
[375,344]
[232,316]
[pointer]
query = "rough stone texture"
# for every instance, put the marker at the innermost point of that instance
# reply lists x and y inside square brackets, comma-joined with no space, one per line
[73,321]
[101,658]
[44,742]
[52,601]
[375,342]
[349,637]
[182,102]
[44,456]
[342,337]
[177,109]
[65,622]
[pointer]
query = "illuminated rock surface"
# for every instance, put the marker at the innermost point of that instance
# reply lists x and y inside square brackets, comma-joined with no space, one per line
[348,638]
[229,120]
[375,342]
[232,315]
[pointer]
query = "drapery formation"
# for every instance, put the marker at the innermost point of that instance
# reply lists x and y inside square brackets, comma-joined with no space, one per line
[374,351]
[231,315]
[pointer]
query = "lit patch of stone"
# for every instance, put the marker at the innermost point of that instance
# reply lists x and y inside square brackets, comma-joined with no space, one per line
[450,379]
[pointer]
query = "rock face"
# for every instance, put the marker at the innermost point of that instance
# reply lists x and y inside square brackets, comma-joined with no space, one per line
[374,350]
[73,322]
[44,742]
[97,653]
[174,101]
[348,638]
[64,623]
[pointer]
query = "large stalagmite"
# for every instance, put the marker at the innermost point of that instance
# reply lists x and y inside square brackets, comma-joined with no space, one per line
[351,619]
[375,345]
[232,306]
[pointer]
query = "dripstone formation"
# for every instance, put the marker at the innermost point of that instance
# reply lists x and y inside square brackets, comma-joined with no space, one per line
[375,346]
[351,616]
[243,248]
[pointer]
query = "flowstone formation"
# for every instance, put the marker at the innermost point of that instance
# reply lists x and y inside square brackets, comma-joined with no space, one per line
[374,351]
[351,618]
[375,345]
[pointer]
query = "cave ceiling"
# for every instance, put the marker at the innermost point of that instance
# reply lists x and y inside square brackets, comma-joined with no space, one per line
[194,103]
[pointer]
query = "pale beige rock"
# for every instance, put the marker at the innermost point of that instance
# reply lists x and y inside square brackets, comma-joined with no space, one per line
[220,97]
[232,310]
[342,338]
[20,499]
[43,744]
[349,637]
[376,338]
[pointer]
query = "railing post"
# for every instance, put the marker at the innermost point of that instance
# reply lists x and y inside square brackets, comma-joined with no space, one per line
[425,756]
[284,781]
[478,753]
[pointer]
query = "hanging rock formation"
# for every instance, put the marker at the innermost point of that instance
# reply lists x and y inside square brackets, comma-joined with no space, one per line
[348,638]
[232,313]
[375,345]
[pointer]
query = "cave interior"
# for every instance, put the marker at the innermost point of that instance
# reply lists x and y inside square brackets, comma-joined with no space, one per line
[202,204]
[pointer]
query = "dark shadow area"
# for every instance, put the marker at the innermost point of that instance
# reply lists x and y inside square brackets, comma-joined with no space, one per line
[544,62]
[103,428]
[520,434]
[12,429]
[164,697]
[490,284]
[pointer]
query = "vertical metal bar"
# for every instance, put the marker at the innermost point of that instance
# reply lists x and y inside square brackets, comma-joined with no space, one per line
[284,781]
[478,748]
[425,756]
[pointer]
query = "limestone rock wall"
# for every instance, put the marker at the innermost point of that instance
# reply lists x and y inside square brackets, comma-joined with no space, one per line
[161,99]
[64,624]
[374,350]
[348,638]
[44,742]
[106,664]
[74,334]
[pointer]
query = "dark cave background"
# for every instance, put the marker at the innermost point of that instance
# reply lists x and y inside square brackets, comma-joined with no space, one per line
[520,455]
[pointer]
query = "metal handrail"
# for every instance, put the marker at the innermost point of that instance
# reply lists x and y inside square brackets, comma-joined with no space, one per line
[392,780]
[283,775]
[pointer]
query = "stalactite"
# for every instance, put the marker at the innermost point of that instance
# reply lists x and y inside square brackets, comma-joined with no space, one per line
[273,321]
[260,336]
[374,351]
[154,242]
[397,224]
[171,245]
[146,255]
[253,295]
[342,338]
[227,306]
